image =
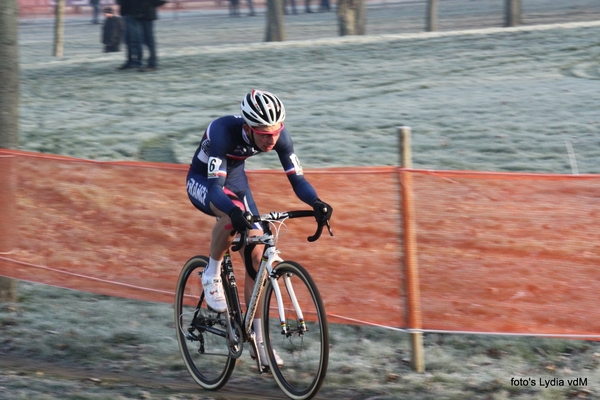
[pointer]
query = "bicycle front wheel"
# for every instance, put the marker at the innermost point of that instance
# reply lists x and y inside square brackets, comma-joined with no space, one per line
[301,340]
[201,332]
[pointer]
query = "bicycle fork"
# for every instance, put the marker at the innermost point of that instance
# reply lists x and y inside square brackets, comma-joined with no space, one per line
[267,263]
[266,271]
[297,309]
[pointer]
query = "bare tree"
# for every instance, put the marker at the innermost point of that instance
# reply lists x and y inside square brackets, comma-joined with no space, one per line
[9,131]
[275,29]
[513,13]
[432,16]
[352,16]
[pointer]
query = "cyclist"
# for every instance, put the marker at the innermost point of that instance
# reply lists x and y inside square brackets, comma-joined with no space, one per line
[217,185]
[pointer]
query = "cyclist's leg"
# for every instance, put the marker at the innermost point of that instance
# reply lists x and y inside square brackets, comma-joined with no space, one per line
[222,237]
[237,182]
[221,240]
[255,254]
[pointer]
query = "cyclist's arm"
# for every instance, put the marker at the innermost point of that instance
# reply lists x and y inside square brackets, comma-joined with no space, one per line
[217,168]
[217,174]
[293,169]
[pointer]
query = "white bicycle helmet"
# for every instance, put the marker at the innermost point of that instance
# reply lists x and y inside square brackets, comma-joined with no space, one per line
[262,108]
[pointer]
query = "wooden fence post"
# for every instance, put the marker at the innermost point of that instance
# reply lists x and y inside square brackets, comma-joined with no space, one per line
[411,271]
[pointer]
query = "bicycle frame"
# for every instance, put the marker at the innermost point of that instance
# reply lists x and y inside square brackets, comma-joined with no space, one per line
[269,258]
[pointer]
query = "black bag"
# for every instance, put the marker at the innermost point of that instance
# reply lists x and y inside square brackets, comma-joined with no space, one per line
[158,3]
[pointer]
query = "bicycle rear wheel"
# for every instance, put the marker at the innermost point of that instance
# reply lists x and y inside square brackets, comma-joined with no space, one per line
[301,343]
[201,332]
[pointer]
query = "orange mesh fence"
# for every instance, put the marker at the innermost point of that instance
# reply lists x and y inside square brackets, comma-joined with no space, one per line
[508,252]
[514,253]
[126,229]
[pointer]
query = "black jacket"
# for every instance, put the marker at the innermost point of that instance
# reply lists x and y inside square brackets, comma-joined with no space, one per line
[147,9]
[129,7]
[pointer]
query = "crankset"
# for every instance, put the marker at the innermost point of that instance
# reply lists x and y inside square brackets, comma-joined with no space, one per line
[236,346]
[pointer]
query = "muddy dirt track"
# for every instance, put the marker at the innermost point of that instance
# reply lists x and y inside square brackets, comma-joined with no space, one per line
[161,388]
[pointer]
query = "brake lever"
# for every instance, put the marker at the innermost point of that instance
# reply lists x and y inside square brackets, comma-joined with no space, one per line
[329,228]
[240,244]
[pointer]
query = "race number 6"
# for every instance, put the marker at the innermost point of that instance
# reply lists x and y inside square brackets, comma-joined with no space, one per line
[213,166]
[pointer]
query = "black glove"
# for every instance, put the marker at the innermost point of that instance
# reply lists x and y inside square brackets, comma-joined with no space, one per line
[323,210]
[240,220]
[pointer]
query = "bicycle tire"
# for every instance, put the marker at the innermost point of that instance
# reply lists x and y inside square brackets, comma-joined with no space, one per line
[305,354]
[206,354]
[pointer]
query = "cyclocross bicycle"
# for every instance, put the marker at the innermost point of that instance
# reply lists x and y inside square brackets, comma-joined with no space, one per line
[293,317]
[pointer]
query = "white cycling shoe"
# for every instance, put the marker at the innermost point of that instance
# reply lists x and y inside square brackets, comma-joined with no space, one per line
[213,293]
[264,360]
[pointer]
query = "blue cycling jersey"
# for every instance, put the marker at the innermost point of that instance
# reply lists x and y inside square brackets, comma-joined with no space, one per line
[221,156]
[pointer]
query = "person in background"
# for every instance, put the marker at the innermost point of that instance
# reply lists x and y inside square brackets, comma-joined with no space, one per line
[307,4]
[325,6]
[251,12]
[129,9]
[146,16]
[234,8]
[95,11]
[292,4]
[111,31]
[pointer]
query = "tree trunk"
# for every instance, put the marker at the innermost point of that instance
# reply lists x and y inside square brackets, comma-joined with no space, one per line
[432,16]
[275,29]
[59,13]
[513,13]
[9,132]
[352,17]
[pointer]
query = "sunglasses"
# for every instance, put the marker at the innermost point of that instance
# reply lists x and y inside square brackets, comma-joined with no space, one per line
[275,132]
